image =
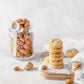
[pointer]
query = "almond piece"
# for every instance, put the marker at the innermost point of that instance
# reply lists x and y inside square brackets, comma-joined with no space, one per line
[16,68]
[44,67]
[69,81]
[27,25]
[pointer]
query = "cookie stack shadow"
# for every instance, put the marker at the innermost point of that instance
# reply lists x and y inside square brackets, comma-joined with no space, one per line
[55,53]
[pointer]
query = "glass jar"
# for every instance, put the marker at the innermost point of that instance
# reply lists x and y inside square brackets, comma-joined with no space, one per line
[21,42]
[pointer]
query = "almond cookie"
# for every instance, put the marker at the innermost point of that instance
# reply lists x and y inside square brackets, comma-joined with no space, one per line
[56,63]
[56,51]
[71,52]
[46,59]
[55,55]
[56,59]
[54,48]
[76,65]
[57,67]
[55,43]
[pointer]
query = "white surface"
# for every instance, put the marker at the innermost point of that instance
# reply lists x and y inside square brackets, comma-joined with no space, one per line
[8,76]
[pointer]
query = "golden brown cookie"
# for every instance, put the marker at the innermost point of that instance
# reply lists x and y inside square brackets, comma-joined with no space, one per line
[54,48]
[56,63]
[71,52]
[55,55]
[46,59]
[76,65]
[55,43]
[56,59]
[57,67]
[55,51]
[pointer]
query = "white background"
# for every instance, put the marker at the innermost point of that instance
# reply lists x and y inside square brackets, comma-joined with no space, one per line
[49,19]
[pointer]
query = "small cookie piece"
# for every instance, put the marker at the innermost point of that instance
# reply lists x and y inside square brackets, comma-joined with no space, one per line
[44,67]
[56,63]
[76,65]
[69,81]
[55,43]
[57,67]
[27,66]
[46,59]
[71,52]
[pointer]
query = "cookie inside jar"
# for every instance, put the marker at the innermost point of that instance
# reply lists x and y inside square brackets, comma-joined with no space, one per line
[24,41]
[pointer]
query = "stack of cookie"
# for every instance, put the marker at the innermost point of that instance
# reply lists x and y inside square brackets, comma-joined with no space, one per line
[56,54]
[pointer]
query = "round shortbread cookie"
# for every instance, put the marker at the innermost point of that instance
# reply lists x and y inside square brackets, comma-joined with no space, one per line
[55,43]
[56,63]
[51,48]
[57,67]
[55,50]
[54,55]
[56,59]
[71,52]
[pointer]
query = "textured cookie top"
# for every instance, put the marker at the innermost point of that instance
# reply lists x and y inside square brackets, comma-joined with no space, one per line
[76,64]
[55,43]
[71,52]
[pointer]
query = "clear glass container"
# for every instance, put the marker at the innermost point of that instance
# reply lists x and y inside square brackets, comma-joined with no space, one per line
[21,43]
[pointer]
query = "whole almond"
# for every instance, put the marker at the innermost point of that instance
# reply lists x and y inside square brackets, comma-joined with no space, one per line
[44,67]
[27,24]
[22,23]
[16,68]
[69,81]
[20,20]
